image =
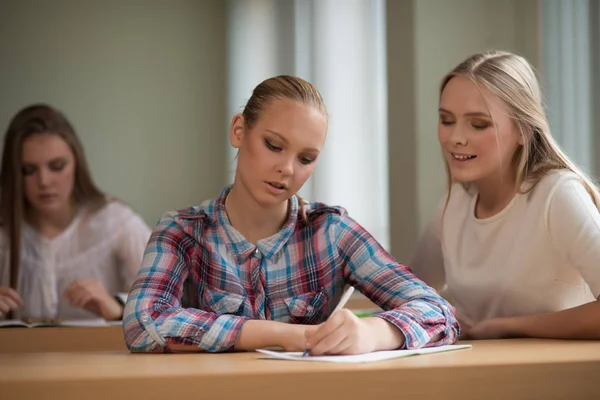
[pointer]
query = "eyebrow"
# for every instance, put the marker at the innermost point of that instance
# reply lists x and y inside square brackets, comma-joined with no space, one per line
[469,114]
[61,158]
[283,139]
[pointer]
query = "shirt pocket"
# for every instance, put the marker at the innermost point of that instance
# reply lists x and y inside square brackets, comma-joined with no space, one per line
[307,308]
[220,301]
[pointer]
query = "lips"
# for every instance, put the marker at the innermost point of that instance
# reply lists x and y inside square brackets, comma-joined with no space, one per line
[277,185]
[47,196]
[463,157]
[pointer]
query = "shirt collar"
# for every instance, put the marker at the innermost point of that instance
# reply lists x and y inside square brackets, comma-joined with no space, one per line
[268,247]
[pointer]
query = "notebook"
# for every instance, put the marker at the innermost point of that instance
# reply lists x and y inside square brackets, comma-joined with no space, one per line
[360,358]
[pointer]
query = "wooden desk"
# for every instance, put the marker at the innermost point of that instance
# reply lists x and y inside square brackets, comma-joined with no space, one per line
[359,302]
[39,340]
[508,369]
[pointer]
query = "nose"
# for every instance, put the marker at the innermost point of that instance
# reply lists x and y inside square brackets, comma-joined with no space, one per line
[458,136]
[43,177]
[286,167]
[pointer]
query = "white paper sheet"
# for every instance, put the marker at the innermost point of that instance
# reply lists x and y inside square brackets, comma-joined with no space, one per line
[360,358]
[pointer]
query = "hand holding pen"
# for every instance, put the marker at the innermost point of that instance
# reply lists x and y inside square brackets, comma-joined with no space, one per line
[342,333]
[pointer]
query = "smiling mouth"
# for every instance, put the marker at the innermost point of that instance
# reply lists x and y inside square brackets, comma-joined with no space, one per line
[462,157]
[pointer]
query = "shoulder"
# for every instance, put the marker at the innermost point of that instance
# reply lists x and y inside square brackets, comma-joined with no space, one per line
[188,220]
[114,213]
[319,213]
[334,220]
[561,185]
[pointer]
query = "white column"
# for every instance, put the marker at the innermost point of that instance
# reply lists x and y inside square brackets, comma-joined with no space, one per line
[566,71]
[349,70]
[339,45]
[254,43]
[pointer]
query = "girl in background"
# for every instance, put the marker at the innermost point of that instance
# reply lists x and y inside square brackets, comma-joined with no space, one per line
[67,250]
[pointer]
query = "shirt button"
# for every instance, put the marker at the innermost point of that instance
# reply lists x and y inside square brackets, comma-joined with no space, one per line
[256,252]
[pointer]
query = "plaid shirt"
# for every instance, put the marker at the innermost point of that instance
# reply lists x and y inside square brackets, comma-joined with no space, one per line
[201,280]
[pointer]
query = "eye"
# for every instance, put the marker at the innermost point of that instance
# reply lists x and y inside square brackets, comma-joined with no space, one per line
[28,170]
[480,126]
[57,166]
[446,123]
[306,160]
[271,146]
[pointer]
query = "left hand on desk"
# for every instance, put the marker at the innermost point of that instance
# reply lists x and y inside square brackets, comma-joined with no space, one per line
[93,296]
[342,333]
[495,328]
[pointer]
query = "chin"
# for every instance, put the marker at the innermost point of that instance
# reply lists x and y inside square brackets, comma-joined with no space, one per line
[49,207]
[464,177]
[266,199]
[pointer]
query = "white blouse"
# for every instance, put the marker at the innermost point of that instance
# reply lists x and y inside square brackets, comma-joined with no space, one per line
[107,245]
[540,254]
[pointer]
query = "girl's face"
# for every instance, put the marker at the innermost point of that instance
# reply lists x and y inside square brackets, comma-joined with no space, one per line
[48,172]
[476,132]
[278,155]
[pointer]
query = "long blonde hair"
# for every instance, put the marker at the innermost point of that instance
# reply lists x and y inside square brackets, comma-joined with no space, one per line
[512,79]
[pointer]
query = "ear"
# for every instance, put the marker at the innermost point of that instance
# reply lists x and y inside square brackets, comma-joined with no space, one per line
[531,132]
[237,131]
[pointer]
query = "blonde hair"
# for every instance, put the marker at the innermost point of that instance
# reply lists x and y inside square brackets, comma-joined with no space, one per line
[512,79]
[282,87]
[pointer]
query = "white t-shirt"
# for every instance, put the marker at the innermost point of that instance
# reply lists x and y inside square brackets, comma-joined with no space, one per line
[107,245]
[540,254]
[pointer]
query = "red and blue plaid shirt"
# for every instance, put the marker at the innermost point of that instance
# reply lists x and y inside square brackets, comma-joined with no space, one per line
[201,280]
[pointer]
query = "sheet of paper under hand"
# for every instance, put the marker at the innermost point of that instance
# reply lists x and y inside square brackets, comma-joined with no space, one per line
[360,358]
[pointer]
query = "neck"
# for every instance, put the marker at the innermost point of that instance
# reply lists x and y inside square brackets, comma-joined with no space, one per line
[252,220]
[52,224]
[494,194]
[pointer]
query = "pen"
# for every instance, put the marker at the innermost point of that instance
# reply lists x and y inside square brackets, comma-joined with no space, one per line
[341,304]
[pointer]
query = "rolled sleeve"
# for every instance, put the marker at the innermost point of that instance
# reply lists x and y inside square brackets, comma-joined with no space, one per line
[409,304]
[154,316]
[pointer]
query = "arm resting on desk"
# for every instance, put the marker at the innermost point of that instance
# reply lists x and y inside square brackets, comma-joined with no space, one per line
[154,318]
[260,334]
[582,322]
[422,316]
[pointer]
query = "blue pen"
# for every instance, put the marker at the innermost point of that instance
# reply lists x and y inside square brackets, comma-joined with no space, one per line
[341,304]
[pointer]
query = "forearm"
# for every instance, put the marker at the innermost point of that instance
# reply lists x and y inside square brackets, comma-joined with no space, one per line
[385,334]
[113,310]
[582,322]
[257,334]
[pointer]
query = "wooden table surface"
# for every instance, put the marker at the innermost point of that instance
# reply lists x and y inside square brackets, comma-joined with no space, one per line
[68,339]
[503,369]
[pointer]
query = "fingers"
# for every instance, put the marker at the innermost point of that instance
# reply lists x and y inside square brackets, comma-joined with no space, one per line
[72,288]
[7,305]
[77,295]
[4,307]
[11,294]
[315,336]
[81,298]
[343,347]
[329,342]
[334,336]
